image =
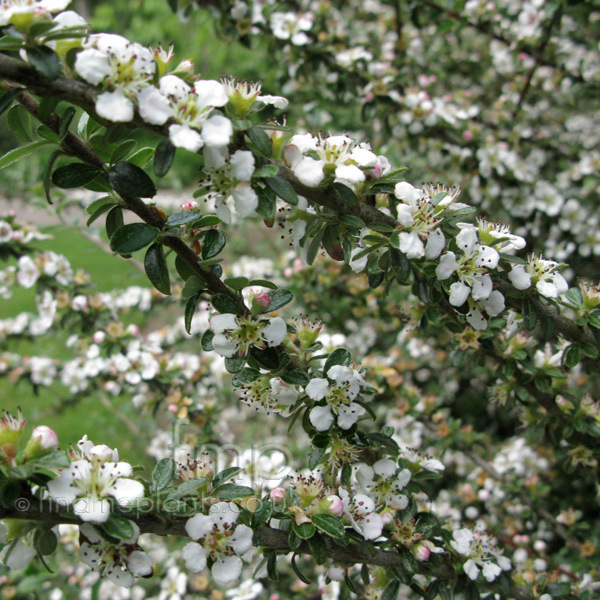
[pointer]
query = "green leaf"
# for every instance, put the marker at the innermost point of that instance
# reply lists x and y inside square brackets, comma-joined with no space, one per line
[163,474]
[262,514]
[295,377]
[329,525]
[529,312]
[571,356]
[224,304]
[18,121]
[213,243]
[588,350]
[260,140]
[206,340]
[157,270]
[45,541]
[266,204]
[279,298]
[121,151]
[163,157]
[44,60]
[7,99]
[114,220]
[594,318]
[181,218]
[265,171]
[236,283]
[282,188]
[272,567]
[118,527]
[41,27]
[132,237]
[574,296]
[347,195]
[65,123]
[47,106]
[445,590]
[48,173]
[8,42]
[381,227]
[128,179]
[53,460]
[246,375]
[315,456]
[188,488]
[340,356]
[318,548]
[13,156]
[315,246]
[190,310]
[299,574]
[235,364]
[74,175]
[267,358]
[233,492]
[225,475]
[98,207]
[304,531]
[142,156]
[391,591]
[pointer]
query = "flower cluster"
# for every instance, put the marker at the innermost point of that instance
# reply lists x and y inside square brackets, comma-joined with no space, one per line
[219,538]
[95,476]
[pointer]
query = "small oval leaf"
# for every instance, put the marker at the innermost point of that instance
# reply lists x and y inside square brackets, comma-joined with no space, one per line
[132,237]
[74,175]
[163,157]
[128,179]
[157,270]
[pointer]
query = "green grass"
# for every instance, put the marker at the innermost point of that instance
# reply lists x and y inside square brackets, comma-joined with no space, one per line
[89,415]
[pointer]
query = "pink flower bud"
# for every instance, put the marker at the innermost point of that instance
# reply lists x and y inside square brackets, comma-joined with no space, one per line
[336,505]
[422,552]
[99,337]
[264,300]
[189,205]
[47,438]
[133,330]
[387,517]
[277,494]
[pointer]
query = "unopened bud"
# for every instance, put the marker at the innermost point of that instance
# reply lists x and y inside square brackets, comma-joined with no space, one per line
[277,493]
[422,552]
[336,505]
[99,337]
[42,440]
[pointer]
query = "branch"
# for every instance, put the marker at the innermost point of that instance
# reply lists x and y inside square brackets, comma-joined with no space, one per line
[32,509]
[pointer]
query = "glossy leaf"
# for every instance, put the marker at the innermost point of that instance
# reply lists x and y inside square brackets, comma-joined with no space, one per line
[128,179]
[163,157]
[132,237]
[157,269]
[213,243]
[74,175]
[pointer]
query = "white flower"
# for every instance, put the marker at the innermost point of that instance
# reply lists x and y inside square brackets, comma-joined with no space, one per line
[28,272]
[234,335]
[120,562]
[543,273]
[92,479]
[384,480]
[291,26]
[482,553]
[18,12]
[123,68]
[339,390]
[220,539]
[360,511]
[6,232]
